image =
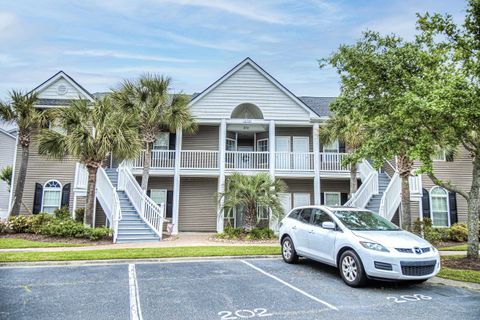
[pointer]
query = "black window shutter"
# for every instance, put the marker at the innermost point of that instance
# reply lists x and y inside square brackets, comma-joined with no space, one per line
[322,198]
[171,142]
[148,192]
[426,204]
[37,198]
[341,146]
[65,195]
[169,204]
[449,156]
[343,198]
[452,201]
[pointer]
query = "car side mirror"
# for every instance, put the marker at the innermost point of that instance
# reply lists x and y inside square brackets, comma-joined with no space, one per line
[328,225]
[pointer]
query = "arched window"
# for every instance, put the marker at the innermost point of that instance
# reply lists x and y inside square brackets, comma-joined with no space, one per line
[439,207]
[246,111]
[52,196]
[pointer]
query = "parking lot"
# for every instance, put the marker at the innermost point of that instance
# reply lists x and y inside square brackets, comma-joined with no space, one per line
[219,289]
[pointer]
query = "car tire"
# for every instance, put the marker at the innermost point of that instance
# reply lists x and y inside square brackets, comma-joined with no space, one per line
[351,269]
[289,254]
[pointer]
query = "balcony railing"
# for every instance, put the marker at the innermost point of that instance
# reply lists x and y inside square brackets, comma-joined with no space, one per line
[245,160]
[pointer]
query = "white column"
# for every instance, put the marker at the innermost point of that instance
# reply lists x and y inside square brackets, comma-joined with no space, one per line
[176,181]
[222,137]
[271,147]
[316,164]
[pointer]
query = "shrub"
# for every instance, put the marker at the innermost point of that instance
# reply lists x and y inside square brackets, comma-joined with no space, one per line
[79,214]
[260,234]
[19,224]
[62,213]
[63,228]
[98,233]
[37,221]
[458,232]
[3,225]
[240,233]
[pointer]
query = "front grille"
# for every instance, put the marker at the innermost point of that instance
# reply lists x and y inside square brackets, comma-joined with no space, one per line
[383,266]
[404,250]
[427,249]
[420,268]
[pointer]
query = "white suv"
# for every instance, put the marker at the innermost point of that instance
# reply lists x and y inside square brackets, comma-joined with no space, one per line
[359,242]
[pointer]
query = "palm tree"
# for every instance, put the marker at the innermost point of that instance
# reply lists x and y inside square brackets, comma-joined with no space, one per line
[252,192]
[21,111]
[350,130]
[148,100]
[90,134]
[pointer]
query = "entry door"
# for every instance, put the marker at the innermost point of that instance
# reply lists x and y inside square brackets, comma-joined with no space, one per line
[282,159]
[301,146]
[301,199]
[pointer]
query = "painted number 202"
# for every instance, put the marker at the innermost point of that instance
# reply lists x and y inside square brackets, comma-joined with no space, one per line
[407,298]
[244,314]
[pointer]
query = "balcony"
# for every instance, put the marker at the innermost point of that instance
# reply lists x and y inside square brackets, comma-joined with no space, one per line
[244,161]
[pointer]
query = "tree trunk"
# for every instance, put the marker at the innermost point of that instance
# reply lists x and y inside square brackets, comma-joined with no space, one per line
[473,211]
[353,179]
[146,166]
[20,184]
[250,216]
[406,211]
[91,198]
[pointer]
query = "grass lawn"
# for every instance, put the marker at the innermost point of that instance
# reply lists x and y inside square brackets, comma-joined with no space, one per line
[15,243]
[462,247]
[139,253]
[451,269]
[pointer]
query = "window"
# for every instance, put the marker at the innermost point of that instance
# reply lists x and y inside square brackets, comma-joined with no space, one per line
[332,198]
[231,145]
[229,218]
[262,145]
[159,196]
[162,141]
[262,213]
[52,196]
[295,214]
[332,147]
[439,207]
[320,217]
[441,155]
[305,215]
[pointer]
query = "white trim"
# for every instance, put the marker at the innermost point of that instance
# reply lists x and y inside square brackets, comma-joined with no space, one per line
[63,75]
[176,181]
[444,158]
[45,188]
[235,143]
[262,72]
[164,191]
[316,164]
[12,187]
[268,145]
[8,134]
[339,194]
[448,206]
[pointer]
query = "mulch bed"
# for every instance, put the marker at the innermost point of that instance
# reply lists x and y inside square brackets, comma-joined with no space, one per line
[42,238]
[462,263]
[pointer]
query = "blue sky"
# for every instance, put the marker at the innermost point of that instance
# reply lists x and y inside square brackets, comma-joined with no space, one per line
[101,42]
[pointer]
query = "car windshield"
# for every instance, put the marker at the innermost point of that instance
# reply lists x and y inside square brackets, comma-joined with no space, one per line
[364,220]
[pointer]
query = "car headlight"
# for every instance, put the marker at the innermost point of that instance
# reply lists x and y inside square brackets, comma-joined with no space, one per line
[373,246]
[434,249]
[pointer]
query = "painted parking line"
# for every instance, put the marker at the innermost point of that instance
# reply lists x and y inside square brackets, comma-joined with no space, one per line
[135,309]
[291,286]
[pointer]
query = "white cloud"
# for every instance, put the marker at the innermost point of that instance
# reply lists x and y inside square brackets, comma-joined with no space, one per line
[123,55]
[9,61]
[9,25]
[228,46]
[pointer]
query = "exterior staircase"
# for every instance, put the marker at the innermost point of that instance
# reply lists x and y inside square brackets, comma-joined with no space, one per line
[131,228]
[374,203]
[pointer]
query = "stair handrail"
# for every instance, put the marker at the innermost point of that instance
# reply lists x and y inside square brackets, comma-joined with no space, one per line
[391,197]
[107,195]
[150,212]
[368,188]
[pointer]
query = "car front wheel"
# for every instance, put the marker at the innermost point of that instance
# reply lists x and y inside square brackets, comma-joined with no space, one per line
[288,251]
[351,269]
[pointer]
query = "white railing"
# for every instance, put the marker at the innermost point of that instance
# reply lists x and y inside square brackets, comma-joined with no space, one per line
[294,161]
[164,159]
[331,161]
[249,160]
[368,188]
[197,159]
[415,184]
[149,211]
[391,197]
[81,177]
[107,196]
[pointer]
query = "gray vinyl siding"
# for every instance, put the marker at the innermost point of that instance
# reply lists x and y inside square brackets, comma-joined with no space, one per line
[100,217]
[300,186]
[40,170]
[159,182]
[198,210]
[7,147]
[415,209]
[329,185]
[459,171]
[206,138]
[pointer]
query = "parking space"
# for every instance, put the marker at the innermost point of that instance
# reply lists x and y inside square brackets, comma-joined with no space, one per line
[219,289]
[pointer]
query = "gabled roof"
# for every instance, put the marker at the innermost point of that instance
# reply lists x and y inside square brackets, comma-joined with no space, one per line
[61,74]
[8,134]
[253,64]
[320,105]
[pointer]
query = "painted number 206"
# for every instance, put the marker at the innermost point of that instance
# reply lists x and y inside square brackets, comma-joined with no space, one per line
[245,313]
[407,298]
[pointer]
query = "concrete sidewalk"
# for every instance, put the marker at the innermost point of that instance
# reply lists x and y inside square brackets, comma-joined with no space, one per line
[190,239]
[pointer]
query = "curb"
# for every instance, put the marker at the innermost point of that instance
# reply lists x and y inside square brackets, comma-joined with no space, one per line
[129,261]
[454,283]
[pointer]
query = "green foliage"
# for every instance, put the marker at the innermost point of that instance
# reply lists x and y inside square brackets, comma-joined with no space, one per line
[261,234]
[19,224]
[241,233]
[62,213]
[98,233]
[457,233]
[79,214]
[3,226]
[6,175]
[63,228]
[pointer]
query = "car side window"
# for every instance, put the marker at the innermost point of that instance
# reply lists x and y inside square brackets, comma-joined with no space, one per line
[320,217]
[305,215]
[295,214]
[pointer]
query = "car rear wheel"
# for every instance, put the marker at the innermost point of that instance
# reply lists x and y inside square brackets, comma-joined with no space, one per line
[288,251]
[351,269]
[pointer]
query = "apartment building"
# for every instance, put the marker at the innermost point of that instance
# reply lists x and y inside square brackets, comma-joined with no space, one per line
[249,123]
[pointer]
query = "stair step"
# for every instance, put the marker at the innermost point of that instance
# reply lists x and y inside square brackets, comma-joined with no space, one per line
[137,240]
[132,225]
[136,232]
